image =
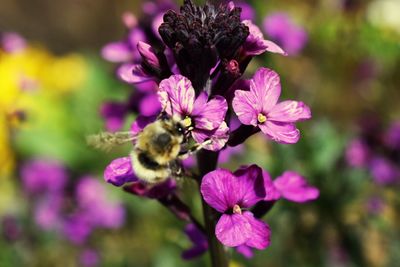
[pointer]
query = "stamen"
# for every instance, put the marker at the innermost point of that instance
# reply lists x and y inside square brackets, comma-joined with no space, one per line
[187,122]
[261,118]
[236,209]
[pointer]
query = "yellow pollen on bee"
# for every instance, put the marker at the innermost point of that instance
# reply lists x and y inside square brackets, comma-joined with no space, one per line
[187,122]
[236,209]
[261,118]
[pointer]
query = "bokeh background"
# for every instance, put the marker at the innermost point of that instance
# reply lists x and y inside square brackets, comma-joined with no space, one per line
[344,63]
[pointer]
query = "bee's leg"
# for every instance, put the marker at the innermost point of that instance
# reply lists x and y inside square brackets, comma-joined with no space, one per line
[193,150]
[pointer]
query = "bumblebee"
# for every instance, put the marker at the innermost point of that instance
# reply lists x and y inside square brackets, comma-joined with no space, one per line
[157,148]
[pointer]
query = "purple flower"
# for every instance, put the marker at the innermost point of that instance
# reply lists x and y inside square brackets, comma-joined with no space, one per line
[47,213]
[259,107]
[119,172]
[95,208]
[232,194]
[43,175]
[76,229]
[199,240]
[280,27]
[383,171]
[294,187]
[256,44]
[357,153]
[203,117]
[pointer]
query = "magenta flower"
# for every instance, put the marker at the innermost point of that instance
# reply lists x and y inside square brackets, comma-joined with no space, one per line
[203,117]
[280,27]
[232,194]
[259,107]
[256,44]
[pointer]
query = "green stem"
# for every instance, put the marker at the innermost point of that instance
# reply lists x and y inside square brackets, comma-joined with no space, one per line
[207,161]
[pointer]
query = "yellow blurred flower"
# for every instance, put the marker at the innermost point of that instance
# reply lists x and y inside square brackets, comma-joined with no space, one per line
[25,76]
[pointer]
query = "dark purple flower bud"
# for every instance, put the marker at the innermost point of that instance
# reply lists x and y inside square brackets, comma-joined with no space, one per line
[200,36]
[11,228]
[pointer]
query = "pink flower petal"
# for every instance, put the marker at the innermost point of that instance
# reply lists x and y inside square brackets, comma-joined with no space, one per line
[244,104]
[251,185]
[218,138]
[116,52]
[233,230]
[289,111]
[266,88]
[133,73]
[295,188]
[219,189]
[284,133]
[211,115]
[177,93]
[260,232]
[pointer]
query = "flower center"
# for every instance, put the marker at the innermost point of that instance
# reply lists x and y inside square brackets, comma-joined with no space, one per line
[236,209]
[187,122]
[261,118]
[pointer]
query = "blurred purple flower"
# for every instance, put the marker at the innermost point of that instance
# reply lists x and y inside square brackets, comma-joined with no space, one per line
[77,229]
[114,114]
[89,258]
[119,172]
[12,42]
[230,193]
[42,175]
[294,187]
[98,210]
[259,107]
[280,27]
[375,205]
[199,240]
[125,50]
[357,153]
[47,213]
[392,136]
[383,171]
[203,117]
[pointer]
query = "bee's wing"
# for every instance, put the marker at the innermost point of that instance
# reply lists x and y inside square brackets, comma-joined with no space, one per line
[106,140]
